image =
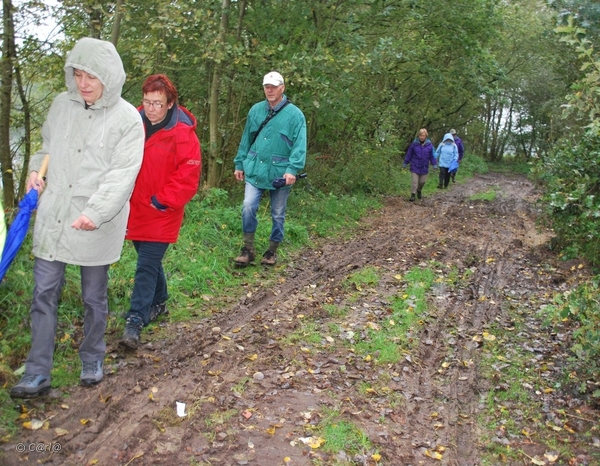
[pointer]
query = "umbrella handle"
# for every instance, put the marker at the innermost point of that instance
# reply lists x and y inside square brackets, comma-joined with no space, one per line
[44,168]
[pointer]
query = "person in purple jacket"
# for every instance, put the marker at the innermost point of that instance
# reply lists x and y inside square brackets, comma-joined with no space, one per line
[419,155]
[461,151]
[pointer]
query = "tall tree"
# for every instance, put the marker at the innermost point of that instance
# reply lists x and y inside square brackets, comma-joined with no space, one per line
[116,30]
[215,161]
[6,86]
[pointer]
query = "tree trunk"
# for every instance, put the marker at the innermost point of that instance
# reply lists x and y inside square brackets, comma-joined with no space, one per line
[116,29]
[96,23]
[26,108]
[6,73]
[215,161]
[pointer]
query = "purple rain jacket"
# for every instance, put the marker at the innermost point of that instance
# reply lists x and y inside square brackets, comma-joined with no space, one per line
[419,156]
[460,146]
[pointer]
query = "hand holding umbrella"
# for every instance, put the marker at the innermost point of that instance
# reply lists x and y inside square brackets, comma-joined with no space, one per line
[18,229]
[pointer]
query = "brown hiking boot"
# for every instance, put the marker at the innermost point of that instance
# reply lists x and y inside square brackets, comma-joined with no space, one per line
[269,258]
[245,257]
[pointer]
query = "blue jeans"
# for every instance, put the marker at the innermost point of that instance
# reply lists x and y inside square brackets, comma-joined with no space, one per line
[150,283]
[49,281]
[252,196]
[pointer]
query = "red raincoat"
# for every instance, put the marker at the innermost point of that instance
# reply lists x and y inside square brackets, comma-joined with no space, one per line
[170,172]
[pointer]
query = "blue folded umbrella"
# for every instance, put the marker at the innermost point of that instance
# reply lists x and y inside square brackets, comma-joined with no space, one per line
[18,230]
[453,166]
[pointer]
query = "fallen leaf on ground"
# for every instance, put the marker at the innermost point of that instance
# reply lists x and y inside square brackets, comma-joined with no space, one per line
[312,442]
[488,336]
[433,454]
[34,424]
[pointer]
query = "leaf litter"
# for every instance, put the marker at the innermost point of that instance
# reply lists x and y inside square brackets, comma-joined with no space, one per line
[263,378]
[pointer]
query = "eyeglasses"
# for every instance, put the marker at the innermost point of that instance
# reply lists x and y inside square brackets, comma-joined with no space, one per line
[147,103]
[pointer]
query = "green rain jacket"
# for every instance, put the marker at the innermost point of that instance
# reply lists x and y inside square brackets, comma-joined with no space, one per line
[279,148]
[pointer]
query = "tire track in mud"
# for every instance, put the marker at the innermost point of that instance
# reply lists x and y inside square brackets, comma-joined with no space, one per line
[403,236]
[458,390]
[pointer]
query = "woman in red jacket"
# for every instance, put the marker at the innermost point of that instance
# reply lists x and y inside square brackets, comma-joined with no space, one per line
[166,182]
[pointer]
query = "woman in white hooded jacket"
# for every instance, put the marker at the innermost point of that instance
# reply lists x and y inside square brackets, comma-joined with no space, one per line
[95,140]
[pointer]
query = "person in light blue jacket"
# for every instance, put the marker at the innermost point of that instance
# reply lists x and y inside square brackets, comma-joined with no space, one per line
[446,153]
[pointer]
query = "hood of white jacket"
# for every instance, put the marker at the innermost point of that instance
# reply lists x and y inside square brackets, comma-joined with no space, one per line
[100,59]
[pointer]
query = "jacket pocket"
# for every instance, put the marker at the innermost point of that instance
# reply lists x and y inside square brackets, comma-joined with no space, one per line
[278,166]
[249,162]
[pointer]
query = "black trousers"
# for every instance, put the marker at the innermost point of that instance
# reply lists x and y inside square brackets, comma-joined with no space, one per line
[444,177]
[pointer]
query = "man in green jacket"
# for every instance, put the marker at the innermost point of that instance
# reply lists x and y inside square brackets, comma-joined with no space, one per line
[273,147]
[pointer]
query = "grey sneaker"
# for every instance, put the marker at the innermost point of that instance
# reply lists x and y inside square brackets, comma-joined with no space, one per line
[31,386]
[133,330]
[158,310]
[246,256]
[91,372]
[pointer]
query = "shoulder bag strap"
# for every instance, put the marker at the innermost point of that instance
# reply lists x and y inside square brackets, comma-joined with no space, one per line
[270,115]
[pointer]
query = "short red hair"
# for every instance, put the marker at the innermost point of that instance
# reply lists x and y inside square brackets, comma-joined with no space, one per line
[160,83]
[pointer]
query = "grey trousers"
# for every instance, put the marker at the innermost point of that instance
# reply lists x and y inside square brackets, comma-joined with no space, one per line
[417,182]
[49,280]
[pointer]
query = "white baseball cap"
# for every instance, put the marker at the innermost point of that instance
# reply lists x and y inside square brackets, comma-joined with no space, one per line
[273,78]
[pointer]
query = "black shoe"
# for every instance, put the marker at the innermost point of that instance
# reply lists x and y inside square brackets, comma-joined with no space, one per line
[453,180]
[440,186]
[269,258]
[246,256]
[133,330]
[31,386]
[419,194]
[91,372]
[412,197]
[158,310]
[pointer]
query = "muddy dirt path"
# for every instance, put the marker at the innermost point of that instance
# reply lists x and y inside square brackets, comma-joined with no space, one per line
[252,398]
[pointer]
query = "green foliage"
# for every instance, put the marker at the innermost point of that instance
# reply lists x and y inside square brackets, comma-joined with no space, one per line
[570,173]
[584,102]
[399,333]
[486,196]
[367,276]
[361,168]
[472,164]
[582,308]
[307,333]
[570,176]
[341,435]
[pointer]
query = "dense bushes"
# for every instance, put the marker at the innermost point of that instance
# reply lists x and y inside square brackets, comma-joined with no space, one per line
[570,177]
[580,308]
